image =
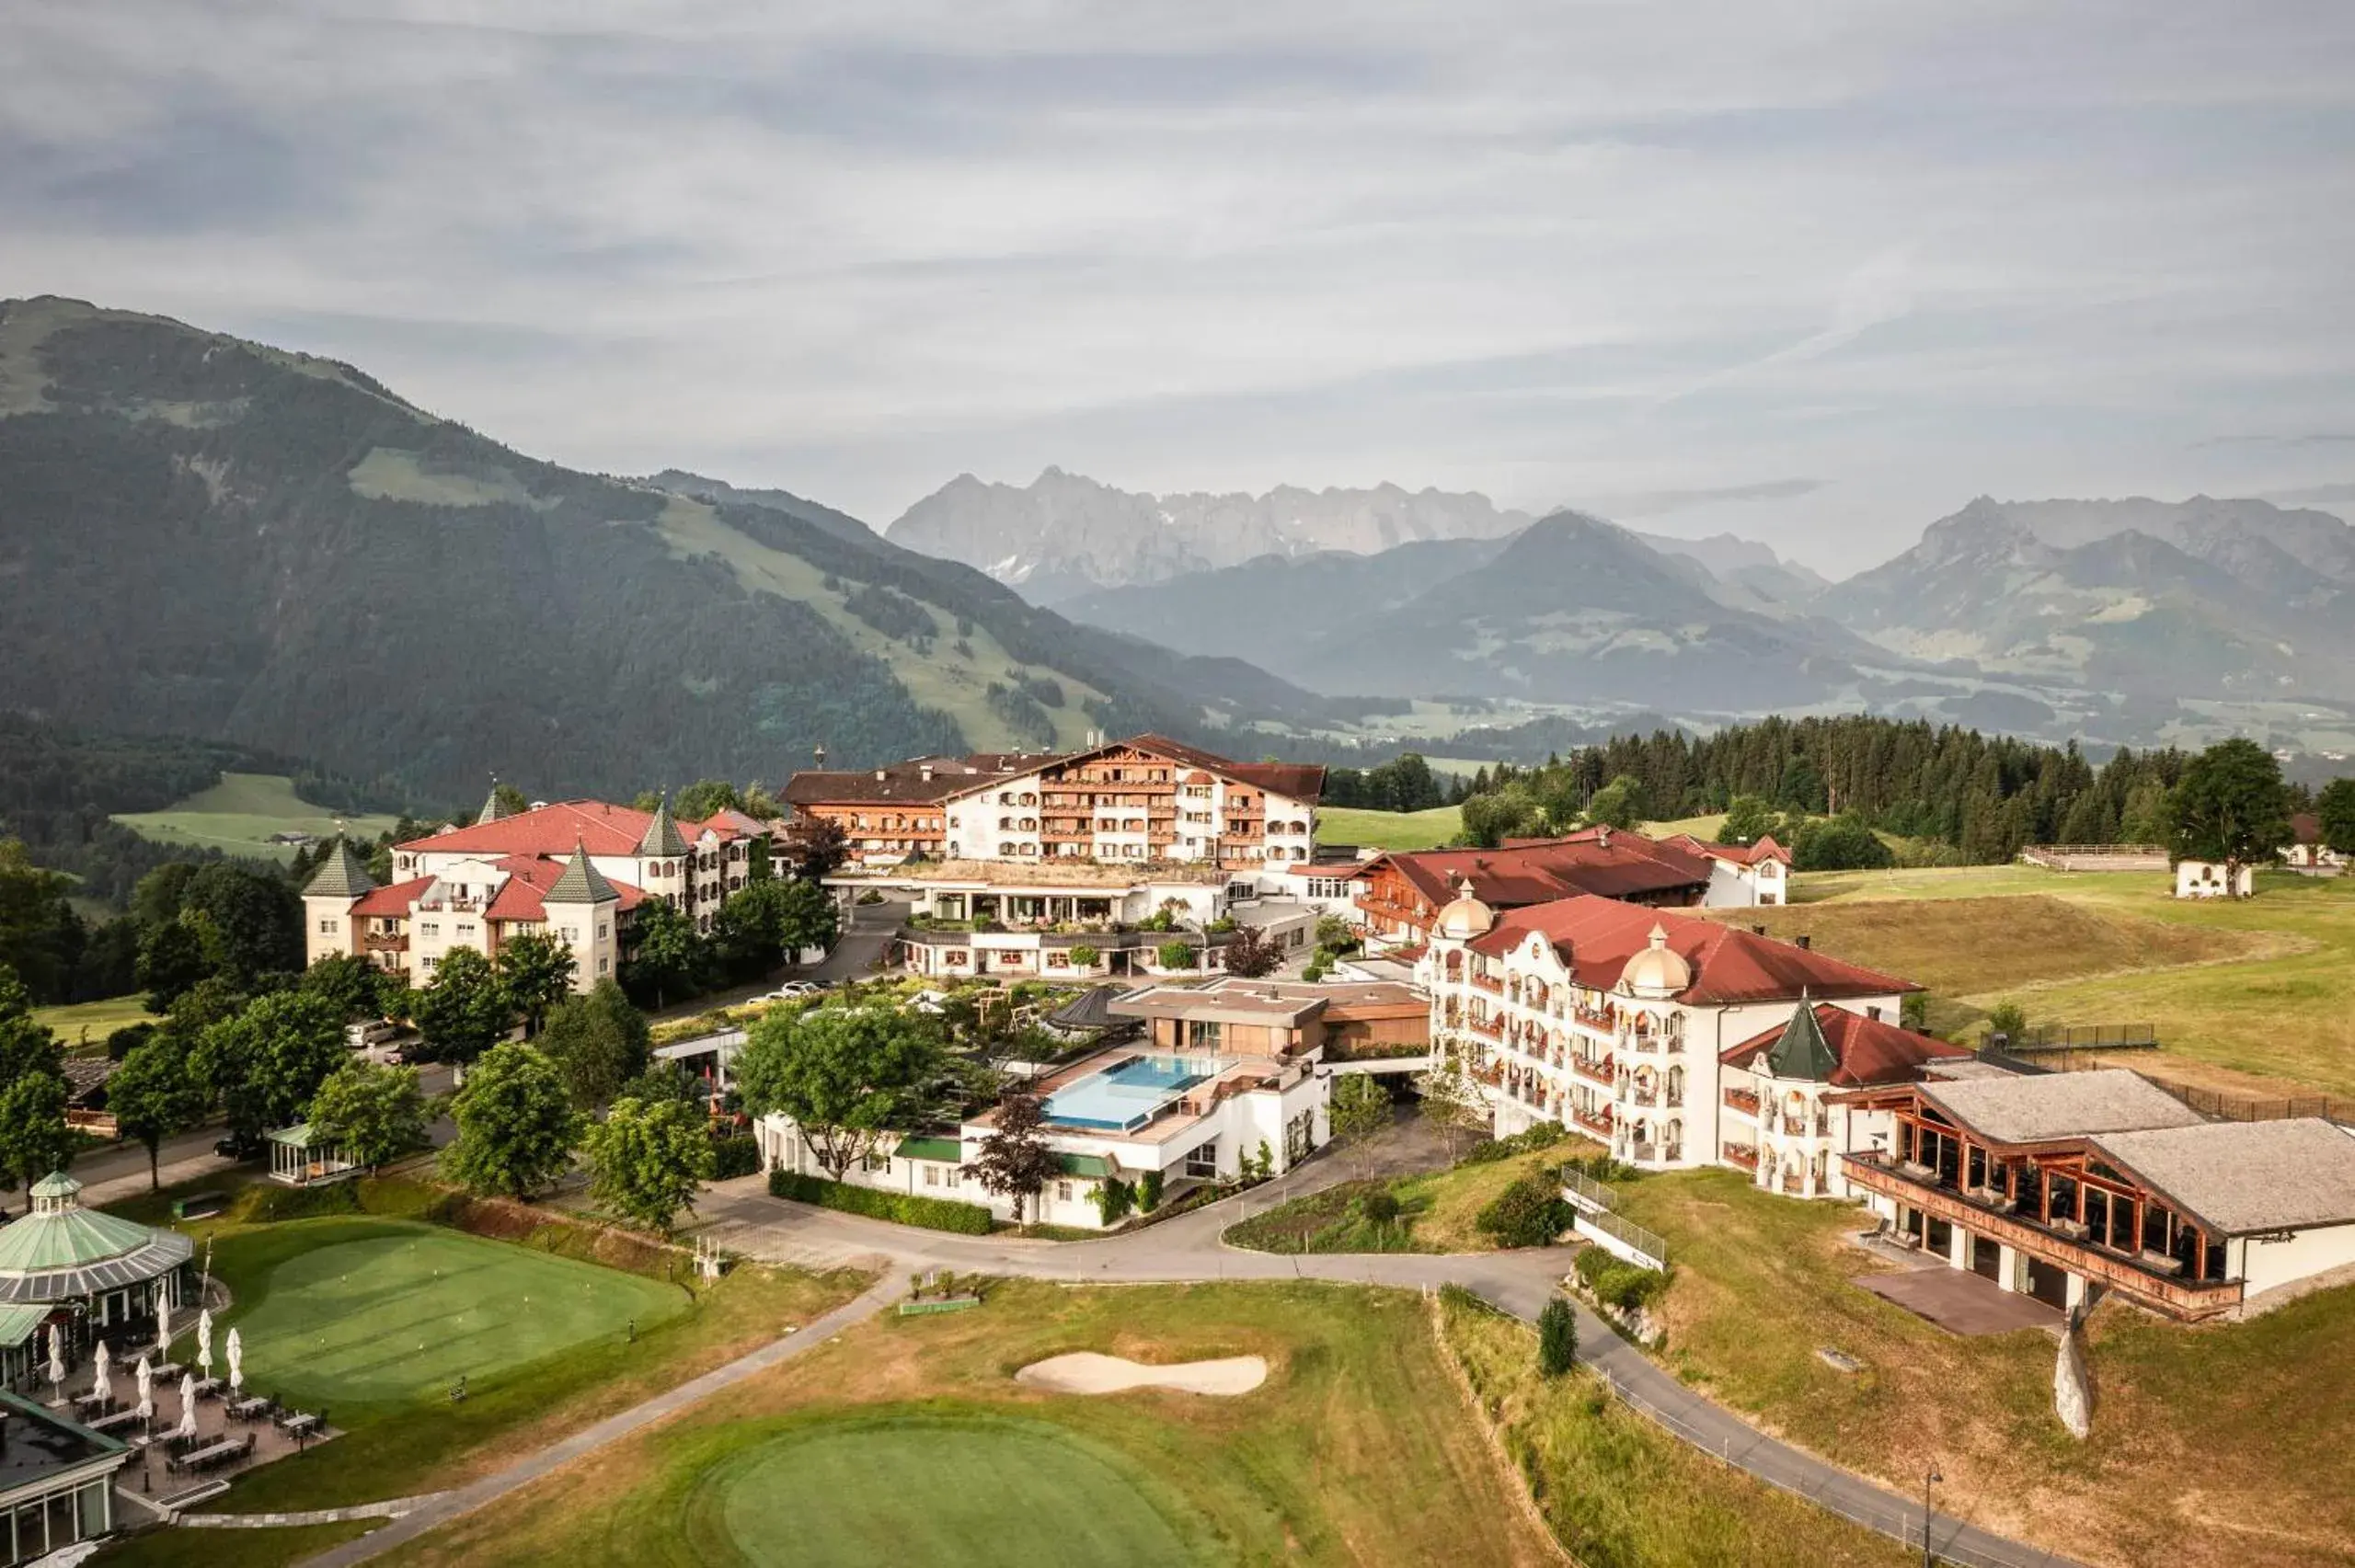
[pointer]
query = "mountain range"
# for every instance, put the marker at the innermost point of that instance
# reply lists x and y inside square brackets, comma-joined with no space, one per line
[206,536]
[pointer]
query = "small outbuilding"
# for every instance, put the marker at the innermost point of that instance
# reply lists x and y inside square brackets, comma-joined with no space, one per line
[2213,879]
[95,1274]
[299,1157]
[57,1481]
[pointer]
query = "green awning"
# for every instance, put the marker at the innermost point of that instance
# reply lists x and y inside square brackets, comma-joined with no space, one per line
[299,1136]
[17,1324]
[947,1148]
[1091,1165]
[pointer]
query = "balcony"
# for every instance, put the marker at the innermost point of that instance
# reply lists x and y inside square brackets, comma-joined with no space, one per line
[383,942]
[1595,1070]
[1491,1028]
[2191,1299]
[1744,1101]
[1488,983]
[1596,1122]
[1741,1155]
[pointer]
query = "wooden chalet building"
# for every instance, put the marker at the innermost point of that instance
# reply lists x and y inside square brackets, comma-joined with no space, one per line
[2053,1183]
[1403,892]
[1146,800]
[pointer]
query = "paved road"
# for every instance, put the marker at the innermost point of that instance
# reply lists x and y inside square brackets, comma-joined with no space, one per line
[1189,1250]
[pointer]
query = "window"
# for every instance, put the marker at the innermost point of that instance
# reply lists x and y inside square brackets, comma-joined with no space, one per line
[431,962]
[1202,1034]
[327,927]
[932,1175]
[604,965]
[1063,1192]
[430,928]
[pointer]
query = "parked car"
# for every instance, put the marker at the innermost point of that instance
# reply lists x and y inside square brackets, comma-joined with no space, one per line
[789,991]
[238,1146]
[371,1032]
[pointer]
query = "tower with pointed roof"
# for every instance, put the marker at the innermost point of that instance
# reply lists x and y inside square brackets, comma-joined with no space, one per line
[493,809]
[665,865]
[583,912]
[340,881]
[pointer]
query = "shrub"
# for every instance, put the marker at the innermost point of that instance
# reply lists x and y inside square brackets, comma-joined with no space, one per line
[1381,1206]
[1175,956]
[1540,1135]
[1558,1338]
[1148,1192]
[902,1208]
[1114,1199]
[1316,969]
[1529,1213]
[1618,1283]
[735,1157]
[127,1038]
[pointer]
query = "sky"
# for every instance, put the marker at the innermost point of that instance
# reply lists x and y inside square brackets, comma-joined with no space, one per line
[1814,272]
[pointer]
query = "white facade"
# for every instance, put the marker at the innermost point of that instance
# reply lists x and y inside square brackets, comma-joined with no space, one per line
[2212,879]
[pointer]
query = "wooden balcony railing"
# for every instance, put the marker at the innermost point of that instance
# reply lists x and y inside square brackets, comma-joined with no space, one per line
[1743,1100]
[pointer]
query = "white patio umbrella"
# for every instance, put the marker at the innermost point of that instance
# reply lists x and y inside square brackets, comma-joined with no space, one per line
[57,1360]
[236,1361]
[146,1376]
[163,1326]
[204,1340]
[101,1369]
[187,1427]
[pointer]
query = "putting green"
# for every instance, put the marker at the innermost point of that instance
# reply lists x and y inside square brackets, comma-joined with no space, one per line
[916,1490]
[404,1311]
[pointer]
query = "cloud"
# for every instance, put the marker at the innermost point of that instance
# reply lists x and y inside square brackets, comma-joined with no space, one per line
[2313,495]
[1655,503]
[1638,252]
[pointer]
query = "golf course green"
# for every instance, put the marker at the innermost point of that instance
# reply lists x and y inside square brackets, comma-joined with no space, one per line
[376,1311]
[919,1489]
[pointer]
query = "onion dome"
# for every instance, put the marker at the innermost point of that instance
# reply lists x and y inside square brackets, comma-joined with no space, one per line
[1659,970]
[1466,917]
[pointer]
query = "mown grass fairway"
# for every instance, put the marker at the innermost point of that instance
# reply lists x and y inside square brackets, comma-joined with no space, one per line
[379,1311]
[2255,995]
[1358,1449]
[975,1491]
[2212,1448]
[238,815]
[1389,829]
[98,1018]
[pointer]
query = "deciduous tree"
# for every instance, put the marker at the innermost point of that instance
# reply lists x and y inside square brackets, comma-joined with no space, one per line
[1251,955]
[599,1042]
[672,960]
[1454,1104]
[1360,1108]
[2229,807]
[845,1076]
[465,1009]
[645,1160]
[536,970]
[375,1112]
[154,1094]
[1013,1160]
[346,982]
[516,1125]
[266,1062]
[33,1137]
[2334,813]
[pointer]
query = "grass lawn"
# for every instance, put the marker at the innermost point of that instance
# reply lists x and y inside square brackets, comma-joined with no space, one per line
[1620,1492]
[2224,1444]
[1389,829]
[334,1310]
[100,1019]
[372,1312]
[1437,1211]
[238,815]
[2255,994]
[225,1548]
[1358,1449]
[1705,828]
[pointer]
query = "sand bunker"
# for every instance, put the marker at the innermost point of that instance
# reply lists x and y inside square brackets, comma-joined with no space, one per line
[1084,1372]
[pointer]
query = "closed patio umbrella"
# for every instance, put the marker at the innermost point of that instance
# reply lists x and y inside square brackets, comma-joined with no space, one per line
[101,1370]
[187,1427]
[236,1362]
[146,1376]
[57,1360]
[163,1326]
[204,1340]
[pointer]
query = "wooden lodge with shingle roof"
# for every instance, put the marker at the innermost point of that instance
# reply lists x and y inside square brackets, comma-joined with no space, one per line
[2053,1185]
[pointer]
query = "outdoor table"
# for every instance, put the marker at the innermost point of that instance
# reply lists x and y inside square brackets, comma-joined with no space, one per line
[119,1418]
[164,1373]
[250,1408]
[301,1424]
[210,1388]
[84,1401]
[207,1456]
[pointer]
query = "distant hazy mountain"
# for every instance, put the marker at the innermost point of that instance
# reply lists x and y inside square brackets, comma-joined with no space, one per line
[1063,534]
[2193,598]
[206,536]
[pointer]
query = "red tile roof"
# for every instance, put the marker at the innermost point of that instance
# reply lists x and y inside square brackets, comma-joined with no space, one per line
[905,783]
[393,900]
[553,830]
[1740,854]
[1538,871]
[1870,1050]
[1597,936]
[520,898]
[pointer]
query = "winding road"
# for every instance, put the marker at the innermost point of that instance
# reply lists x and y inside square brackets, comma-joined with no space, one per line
[1187,1250]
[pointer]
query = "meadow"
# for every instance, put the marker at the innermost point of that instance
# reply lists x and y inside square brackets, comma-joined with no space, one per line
[238,815]
[1398,831]
[2252,996]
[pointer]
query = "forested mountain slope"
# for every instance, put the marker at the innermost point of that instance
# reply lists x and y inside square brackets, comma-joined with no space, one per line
[206,536]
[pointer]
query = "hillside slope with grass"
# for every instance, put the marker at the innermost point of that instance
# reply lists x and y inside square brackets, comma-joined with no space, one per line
[204,536]
[238,816]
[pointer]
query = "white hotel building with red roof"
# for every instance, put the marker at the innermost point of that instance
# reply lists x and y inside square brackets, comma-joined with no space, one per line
[578,869]
[1677,1041]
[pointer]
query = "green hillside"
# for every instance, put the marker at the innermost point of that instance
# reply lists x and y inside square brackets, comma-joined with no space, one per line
[238,815]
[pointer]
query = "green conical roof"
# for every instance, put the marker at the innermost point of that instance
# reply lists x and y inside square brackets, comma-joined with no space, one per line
[341,875]
[491,810]
[662,833]
[57,1184]
[582,883]
[63,1252]
[1803,1052]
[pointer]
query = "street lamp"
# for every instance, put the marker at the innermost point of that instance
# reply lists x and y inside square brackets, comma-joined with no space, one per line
[1929,1479]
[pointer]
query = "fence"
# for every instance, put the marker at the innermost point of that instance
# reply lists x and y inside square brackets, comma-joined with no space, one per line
[1620,1236]
[2086,1038]
[2260,1107]
[2098,857]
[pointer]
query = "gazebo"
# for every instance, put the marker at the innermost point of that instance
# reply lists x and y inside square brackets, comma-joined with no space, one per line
[95,1274]
[301,1158]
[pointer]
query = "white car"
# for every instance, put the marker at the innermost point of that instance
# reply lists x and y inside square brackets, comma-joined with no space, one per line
[791,989]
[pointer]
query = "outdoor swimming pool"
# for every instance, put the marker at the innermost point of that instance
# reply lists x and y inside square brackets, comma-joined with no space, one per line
[1125,1096]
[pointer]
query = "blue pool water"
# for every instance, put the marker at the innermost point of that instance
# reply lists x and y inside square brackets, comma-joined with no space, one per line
[1124,1097]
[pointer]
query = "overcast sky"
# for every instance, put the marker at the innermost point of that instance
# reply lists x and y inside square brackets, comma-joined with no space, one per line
[1818,272]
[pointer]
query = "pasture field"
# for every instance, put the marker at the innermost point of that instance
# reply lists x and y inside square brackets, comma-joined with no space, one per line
[238,815]
[99,1018]
[2254,996]
[1402,831]
[2216,1446]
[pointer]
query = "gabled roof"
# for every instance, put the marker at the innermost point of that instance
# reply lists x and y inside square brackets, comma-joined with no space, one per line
[341,875]
[1736,855]
[661,835]
[2246,1176]
[1862,1051]
[1538,871]
[394,899]
[1304,782]
[1598,936]
[524,896]
[553,830]
[2040,1107]
[582,883]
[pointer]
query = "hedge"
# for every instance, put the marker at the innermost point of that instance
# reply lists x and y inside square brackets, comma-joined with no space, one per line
[1536,1136]
[732,1157]
[902,1208]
